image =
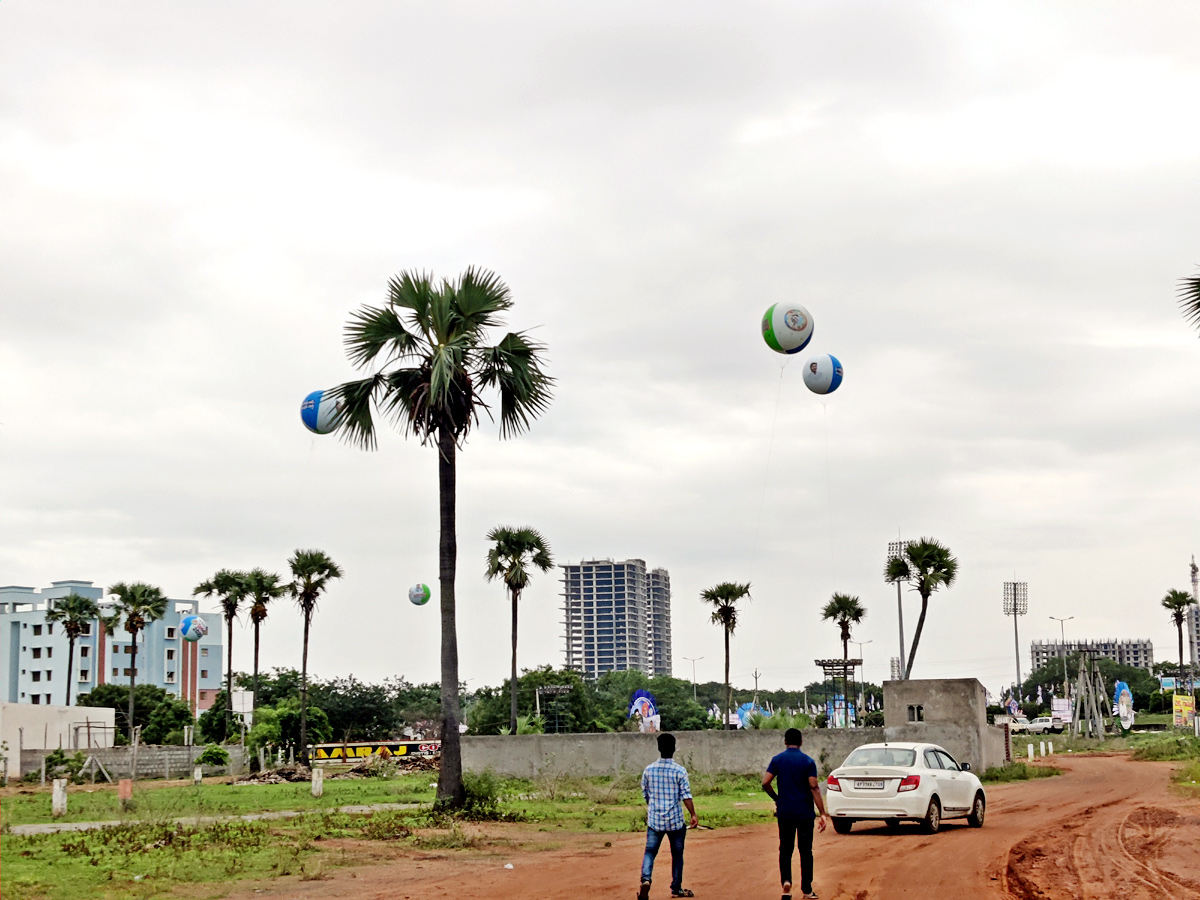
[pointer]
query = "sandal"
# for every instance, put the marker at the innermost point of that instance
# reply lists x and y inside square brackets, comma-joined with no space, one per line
[682,892]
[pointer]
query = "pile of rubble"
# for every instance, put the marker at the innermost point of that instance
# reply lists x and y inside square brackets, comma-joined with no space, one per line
[282,775]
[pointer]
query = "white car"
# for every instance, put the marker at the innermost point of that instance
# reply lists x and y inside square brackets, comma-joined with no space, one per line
[898,781]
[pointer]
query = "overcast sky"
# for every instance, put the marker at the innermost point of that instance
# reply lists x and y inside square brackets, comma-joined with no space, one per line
[986,209]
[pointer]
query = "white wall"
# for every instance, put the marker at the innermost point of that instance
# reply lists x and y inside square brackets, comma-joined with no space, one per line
[49,727]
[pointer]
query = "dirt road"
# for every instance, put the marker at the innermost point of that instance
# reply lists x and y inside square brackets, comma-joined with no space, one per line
[1108,828]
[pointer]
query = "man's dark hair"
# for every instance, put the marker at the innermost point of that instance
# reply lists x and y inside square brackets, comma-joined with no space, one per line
[793,737]
[666,745]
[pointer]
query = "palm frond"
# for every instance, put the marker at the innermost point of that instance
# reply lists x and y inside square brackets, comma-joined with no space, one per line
[480,295]
[514,367]
[373,330]
[1189,299]
[353,421]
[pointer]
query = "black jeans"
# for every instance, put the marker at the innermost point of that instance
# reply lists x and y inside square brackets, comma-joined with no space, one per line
[798,832]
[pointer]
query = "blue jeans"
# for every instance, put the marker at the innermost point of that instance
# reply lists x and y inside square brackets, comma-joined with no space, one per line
[654,840]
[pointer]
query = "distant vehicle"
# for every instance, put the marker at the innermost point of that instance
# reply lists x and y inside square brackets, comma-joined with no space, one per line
[1046,725]
[895,782]
[1016,724]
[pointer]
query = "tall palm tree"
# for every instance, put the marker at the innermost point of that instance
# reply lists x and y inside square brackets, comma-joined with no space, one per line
[427,345]
[724,598]
[75,612]
[312,570]
[514,551]
[261,587]
[1176,603]
[928,566]
[845,611]
[230,589]
[1189,299]
[140,604]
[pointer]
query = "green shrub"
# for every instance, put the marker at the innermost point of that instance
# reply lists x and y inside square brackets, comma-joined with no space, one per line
[1170,746]
[1016,771]
[213,756]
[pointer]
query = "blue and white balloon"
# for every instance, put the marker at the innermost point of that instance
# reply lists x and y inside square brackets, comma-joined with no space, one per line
[419,594]
[319,412]
[192,628]
[823,374]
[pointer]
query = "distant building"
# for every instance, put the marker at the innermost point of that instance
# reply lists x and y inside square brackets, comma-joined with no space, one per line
[1138,653]
[617,616]
[33,652]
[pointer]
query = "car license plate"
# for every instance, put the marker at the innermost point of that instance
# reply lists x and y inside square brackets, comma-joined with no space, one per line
[868,785]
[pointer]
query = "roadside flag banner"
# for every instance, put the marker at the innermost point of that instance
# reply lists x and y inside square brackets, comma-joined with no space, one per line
[1184,709]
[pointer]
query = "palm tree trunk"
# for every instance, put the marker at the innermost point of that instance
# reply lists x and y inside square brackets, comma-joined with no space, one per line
[450,786]
[229,677]
[132,676]
[845,676]
[728,686]
[255,701]
[70,664]
[512,715]
[304,690]
[912,653]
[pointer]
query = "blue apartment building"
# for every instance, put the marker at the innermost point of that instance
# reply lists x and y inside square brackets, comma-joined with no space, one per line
[33,652]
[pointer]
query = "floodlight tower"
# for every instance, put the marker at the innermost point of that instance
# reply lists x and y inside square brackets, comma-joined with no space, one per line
[1016,603]
[896,550]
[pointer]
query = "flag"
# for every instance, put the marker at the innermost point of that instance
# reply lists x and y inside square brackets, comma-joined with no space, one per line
[1039,695]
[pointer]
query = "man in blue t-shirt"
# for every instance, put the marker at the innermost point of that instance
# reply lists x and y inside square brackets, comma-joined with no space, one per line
[794,773]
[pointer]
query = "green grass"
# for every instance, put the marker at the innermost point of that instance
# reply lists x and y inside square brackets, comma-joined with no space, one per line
[88,803]
[1016,771]
[1169,746]
[1188,777]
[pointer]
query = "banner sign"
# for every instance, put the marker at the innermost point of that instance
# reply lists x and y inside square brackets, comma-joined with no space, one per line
[1061,707]
[645,708]
[362,750]
[1185,710]
[1123,704]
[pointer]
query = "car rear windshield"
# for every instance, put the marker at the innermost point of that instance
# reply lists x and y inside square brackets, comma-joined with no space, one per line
[881,756]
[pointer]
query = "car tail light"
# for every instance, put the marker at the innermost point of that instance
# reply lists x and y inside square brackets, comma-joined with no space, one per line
[832,783]
[909,783]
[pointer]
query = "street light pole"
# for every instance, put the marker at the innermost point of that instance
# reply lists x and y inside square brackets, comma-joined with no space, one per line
[692,660]
[860,645]
[1062,630]
[895,550]
[1016,603]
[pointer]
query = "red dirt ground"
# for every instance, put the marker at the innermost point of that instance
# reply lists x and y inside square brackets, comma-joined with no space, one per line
[1108,828]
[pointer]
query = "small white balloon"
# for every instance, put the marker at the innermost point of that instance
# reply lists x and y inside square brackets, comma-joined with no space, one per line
[823,374]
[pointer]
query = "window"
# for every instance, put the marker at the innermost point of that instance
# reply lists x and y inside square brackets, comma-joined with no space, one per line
[204,651]
[87,630]
[204,673]
[204,695]
[170,633]
[85,652]
[947,761]
[931,760]
[916,713]
[49,630]
[170,654]
[49,675]
[37,676]
[37,698]
[116,672]
[50,652]
[130,671]
[37,652]
[37,630]
[83,675]
[170,678]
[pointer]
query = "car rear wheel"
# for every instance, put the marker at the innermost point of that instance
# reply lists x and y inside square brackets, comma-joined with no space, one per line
[975,819]
[842,824]
[933,817]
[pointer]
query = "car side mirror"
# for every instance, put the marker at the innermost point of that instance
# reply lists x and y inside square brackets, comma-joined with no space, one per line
[966,767]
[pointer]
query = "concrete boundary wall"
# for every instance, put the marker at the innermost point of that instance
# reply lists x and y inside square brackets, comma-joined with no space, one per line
[733,752]
[152,761]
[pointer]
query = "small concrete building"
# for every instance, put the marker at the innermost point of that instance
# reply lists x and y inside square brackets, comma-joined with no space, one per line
[952,710]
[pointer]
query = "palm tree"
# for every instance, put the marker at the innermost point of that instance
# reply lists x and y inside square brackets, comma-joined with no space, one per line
[845,611]
[927,565]
[1189,299]
[427,344]
[1176,603]
[230,589]
[75,612]
[261,587]
[140,604]
[312,570]
[724,598]
[515,550]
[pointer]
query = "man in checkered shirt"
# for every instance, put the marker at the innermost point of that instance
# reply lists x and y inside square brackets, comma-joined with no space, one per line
[665,786]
